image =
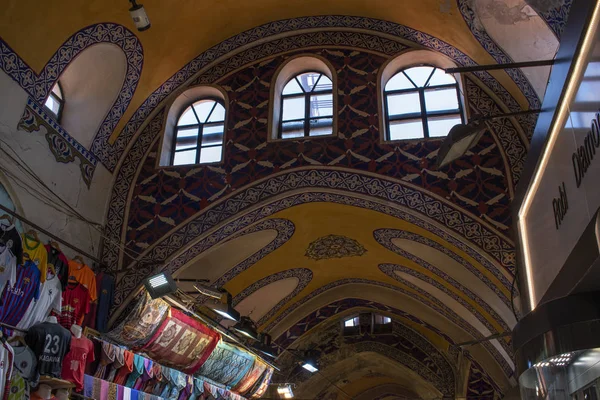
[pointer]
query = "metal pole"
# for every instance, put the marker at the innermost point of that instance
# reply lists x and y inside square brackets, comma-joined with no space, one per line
[477,68]
[59,240]
[492,337]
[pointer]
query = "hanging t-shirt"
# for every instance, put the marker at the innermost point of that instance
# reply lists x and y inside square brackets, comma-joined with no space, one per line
[9,237]
[16,298]
[126,369]
[75,303]
[60,263]
[50,299]
[8,267]
[50,342]
[25,362]
[84,275]
[36,252]
[106,294]
[80,353]
[6,367]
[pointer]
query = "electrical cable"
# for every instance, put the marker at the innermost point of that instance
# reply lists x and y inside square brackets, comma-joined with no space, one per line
[52,201]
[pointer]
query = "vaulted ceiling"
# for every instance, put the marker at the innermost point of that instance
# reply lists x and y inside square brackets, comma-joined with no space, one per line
[306,233]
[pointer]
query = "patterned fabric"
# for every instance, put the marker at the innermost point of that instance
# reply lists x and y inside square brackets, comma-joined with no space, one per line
[262,388]
[103,390]
[227,364]
[109,352]
[19,389]
[142,323]
[182,342]
[138,370]
[251,377]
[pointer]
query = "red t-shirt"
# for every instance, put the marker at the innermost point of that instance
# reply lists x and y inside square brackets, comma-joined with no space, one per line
[81,352]
[75,303]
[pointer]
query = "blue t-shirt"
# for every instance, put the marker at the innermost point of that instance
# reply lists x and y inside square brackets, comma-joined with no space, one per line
[16,298]
[106,293]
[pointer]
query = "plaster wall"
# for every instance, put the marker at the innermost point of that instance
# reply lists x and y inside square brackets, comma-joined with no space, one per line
[65,180]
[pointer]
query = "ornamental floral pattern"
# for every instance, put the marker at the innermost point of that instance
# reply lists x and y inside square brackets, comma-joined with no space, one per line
[334,246]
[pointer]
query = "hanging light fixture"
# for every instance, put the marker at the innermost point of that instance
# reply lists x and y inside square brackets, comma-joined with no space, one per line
[247,328]
[285,391]
[224,308]
[160,285]
[139,16]
[264,345]
[310,362]
[463,137]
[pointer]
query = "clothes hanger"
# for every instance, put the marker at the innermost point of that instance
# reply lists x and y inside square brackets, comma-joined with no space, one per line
[7,217]
[17,339]
[55,245]
[33,235]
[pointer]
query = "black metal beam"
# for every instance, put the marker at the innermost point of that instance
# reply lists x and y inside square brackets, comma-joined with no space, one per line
[477,68]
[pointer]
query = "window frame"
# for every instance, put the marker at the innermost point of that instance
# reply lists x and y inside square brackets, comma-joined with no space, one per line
[200,127]
[307,95]
[60,101]
[423,114]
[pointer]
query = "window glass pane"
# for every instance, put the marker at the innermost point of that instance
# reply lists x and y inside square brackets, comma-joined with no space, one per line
[442,99]
[202,108]
[321,106]
[387,320]
[218,114]
[441,78]
[56,91]
[185,157]
[405,103]
[308,80]
[210,154]
[292,87]
[292,129]
[186,144]
[321,126]
[419,75]
[293,108]
[323,84]
[212,135]
[409,129]
[187,118]
[440,126]
[52,105]
[399,81]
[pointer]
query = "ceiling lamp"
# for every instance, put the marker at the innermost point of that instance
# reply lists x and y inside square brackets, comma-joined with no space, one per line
[463,137]
[285,391]
[139,16]
[309,362]
[225,309]
[264,345]
[247,328]
[160,285]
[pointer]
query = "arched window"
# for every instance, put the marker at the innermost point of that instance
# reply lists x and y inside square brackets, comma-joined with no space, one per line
[351,322]
[55,102]
[421,102]
[306,106]
[302,93]
[199,132]
[382,320]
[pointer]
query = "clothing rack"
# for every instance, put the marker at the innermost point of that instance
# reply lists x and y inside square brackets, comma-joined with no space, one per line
[14,328]
[59,240]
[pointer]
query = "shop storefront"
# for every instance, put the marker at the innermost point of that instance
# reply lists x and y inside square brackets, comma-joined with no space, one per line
[557,342]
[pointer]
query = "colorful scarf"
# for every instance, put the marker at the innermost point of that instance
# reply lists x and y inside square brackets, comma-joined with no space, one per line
[251,377]
[227,364]
[182,342]
[261,385]
[141,324]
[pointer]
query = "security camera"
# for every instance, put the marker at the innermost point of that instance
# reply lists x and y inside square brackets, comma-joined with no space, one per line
[139,16]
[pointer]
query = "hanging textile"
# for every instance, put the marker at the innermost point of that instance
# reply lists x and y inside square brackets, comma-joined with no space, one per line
[182,342]
[227,364]
[251,377]
[261,385]
[141,324]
